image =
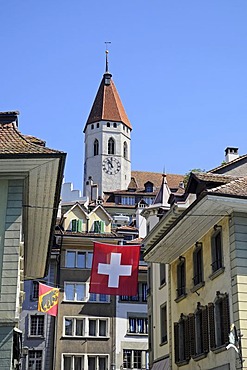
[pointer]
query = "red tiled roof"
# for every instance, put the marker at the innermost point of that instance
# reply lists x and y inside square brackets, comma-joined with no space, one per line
[13,142]
[107,105]
[236,187]
[156,178]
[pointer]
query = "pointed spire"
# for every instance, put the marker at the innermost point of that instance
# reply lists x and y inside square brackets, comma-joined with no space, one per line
[107,104]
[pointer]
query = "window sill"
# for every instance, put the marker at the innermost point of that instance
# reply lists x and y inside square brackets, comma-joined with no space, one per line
[197,287]
[199,356]
[182,363]
[219,349]
[162,285]
[163,343]
[216,273]
[76,337]
[180,298]
[137,334]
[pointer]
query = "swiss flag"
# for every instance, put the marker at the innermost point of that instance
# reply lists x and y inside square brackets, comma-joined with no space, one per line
[115,269]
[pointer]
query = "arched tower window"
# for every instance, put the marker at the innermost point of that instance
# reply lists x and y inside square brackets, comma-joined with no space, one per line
[111,146]
[96,147]
[125,150]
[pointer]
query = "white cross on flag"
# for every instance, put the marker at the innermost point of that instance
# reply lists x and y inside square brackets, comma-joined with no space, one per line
[115,269]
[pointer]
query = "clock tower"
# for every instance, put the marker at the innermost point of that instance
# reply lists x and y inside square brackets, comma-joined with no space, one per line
[107,140]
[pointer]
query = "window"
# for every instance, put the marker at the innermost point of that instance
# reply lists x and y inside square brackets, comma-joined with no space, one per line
[134,359]
[73,362]
[111,146]
[114,125]
[99,226]
[93,297]
[76,225]
[148,200]
[79,259]
[198,264]
[75,292]
[97,362]
[219,321]
[98,327]
[128,201]
[97,124]
[86,327]
[96,147]
[140,297]
[149,187]
[181,277]
[162,273]
[182,340]
[198,328]
[36,325]
[125,150]
[163,323]
[216,248]
[35,360]
[108,124]
[35,290]
[137,325]
[92,127]
[74,326]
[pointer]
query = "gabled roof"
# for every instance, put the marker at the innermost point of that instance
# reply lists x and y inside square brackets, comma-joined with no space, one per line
[103,210]
[235,162]
[237,187]
[12,142]
[107,105]
[199,181]
[163,194]
[76,205]
[156,178]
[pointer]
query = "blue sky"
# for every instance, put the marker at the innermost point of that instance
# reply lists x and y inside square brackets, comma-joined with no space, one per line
[180,68]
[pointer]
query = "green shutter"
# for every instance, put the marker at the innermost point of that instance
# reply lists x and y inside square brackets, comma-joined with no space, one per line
[102,226]
[176,342]
[225,319]
[205,341]
[74,225]
[97,226]
[79,226]
[192,334]
[211,325]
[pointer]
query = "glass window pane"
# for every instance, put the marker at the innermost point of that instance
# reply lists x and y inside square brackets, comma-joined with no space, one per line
[78,363]
[89,259]
[80,292]
[69,292]
[91,363]
[103,298]
[81,259]
[79,327]
[92,327]
[102,327]
[67,363]
[68,326]
[93,297]
[102,363]
[70,259]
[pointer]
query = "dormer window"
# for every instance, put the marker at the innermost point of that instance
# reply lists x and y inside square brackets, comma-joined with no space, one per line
[149,187]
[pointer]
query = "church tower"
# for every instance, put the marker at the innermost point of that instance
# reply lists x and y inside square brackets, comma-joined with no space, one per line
[107,140]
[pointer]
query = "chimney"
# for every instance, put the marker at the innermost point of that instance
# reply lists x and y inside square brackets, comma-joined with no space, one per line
[231,153]
[9,117]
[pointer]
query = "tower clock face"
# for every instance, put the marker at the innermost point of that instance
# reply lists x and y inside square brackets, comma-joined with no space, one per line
[111,165]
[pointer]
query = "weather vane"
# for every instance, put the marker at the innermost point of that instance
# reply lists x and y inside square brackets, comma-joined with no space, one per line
[106,52]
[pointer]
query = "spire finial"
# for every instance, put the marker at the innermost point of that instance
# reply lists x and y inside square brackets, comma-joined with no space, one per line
[106,56]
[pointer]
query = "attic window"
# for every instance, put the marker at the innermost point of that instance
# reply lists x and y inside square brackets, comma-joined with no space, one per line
[114,125]
[108,124]
[149,187]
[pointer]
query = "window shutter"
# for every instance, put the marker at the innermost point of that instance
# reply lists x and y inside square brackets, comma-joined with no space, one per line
[79,226]
[211,325]
[102,226]
[186,339]
[74,225]
[205,341]
[96,227]
[225,318]
[176,341]
[192,334]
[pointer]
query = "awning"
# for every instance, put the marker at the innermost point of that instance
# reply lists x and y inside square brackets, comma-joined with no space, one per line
[161,365]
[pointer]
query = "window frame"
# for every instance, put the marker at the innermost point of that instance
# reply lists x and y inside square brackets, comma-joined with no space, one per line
[163,269]
[130,359]
[163,324]
[181,278]
[88,259]
[111,146]
[133,319]
[198,274]
[38,360]
[96,147]
[86,326]
[217,250]
[125,150]
[40,319]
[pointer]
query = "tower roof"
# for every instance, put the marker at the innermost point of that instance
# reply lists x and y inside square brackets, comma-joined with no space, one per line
[107,104]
